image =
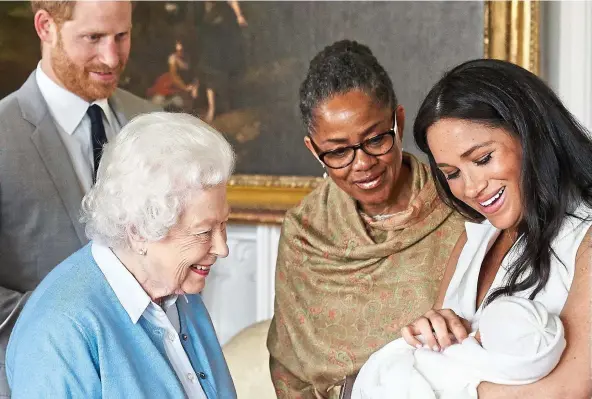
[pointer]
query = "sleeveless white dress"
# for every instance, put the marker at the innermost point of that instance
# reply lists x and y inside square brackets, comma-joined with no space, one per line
[461,295]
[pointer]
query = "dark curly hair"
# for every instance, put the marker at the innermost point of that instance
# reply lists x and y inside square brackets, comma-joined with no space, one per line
[344,66]
[556,173]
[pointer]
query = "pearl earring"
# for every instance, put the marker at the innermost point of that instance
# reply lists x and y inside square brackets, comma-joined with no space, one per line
[142,251]
[322,166]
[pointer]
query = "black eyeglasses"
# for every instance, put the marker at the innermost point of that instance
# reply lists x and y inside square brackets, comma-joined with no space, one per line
[344,156]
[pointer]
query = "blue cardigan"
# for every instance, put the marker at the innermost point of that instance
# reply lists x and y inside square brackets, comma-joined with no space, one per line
[75,340]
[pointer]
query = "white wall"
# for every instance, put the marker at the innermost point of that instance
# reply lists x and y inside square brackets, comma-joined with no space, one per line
[240,288]
[566,54]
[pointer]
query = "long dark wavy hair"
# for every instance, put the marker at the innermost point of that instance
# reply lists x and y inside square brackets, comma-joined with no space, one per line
[556,172]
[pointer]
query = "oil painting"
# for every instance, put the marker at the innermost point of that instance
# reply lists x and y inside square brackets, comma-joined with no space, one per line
[238,65]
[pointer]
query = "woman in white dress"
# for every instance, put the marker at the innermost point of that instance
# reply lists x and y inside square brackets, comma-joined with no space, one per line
[506,153]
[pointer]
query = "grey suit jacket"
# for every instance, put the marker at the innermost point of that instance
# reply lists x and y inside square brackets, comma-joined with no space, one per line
[40,196]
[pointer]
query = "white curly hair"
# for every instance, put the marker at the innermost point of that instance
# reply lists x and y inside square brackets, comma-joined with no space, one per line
[148,172]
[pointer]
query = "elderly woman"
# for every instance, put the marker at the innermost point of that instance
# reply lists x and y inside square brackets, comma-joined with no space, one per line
[122,317]
[363,254]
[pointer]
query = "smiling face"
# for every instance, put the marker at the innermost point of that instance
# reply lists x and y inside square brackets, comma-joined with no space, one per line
[349,119]
[88,53]
[482,166]
[181,261]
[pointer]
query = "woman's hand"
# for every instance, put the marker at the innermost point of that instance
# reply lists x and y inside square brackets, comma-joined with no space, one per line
[439,328]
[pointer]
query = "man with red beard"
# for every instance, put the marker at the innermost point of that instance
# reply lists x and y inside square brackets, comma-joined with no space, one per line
[51,133]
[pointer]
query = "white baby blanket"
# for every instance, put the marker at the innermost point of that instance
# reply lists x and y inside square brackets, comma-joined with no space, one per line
[521,343]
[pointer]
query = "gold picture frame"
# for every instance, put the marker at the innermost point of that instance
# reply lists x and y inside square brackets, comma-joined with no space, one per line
[511,32]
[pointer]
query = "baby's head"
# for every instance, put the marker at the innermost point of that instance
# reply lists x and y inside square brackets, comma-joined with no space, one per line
[517,326]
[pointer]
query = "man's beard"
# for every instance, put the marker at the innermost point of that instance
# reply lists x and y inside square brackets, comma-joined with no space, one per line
[77,80]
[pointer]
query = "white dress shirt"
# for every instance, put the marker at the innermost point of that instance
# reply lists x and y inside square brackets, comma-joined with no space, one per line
[73,124]
[137,303]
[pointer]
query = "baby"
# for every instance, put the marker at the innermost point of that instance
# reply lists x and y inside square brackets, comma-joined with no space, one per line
[520,344]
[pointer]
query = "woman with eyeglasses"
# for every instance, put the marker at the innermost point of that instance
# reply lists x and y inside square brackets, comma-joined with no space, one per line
[364,253]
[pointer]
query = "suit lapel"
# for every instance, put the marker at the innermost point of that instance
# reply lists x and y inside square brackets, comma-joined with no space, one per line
[52,151]
[58,164]
[118,109]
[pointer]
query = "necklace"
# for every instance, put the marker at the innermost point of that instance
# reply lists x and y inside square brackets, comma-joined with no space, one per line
[382,217]
[512,234]
[378,218]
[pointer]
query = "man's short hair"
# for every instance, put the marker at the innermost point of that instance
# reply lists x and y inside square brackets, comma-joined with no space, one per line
[60,11]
